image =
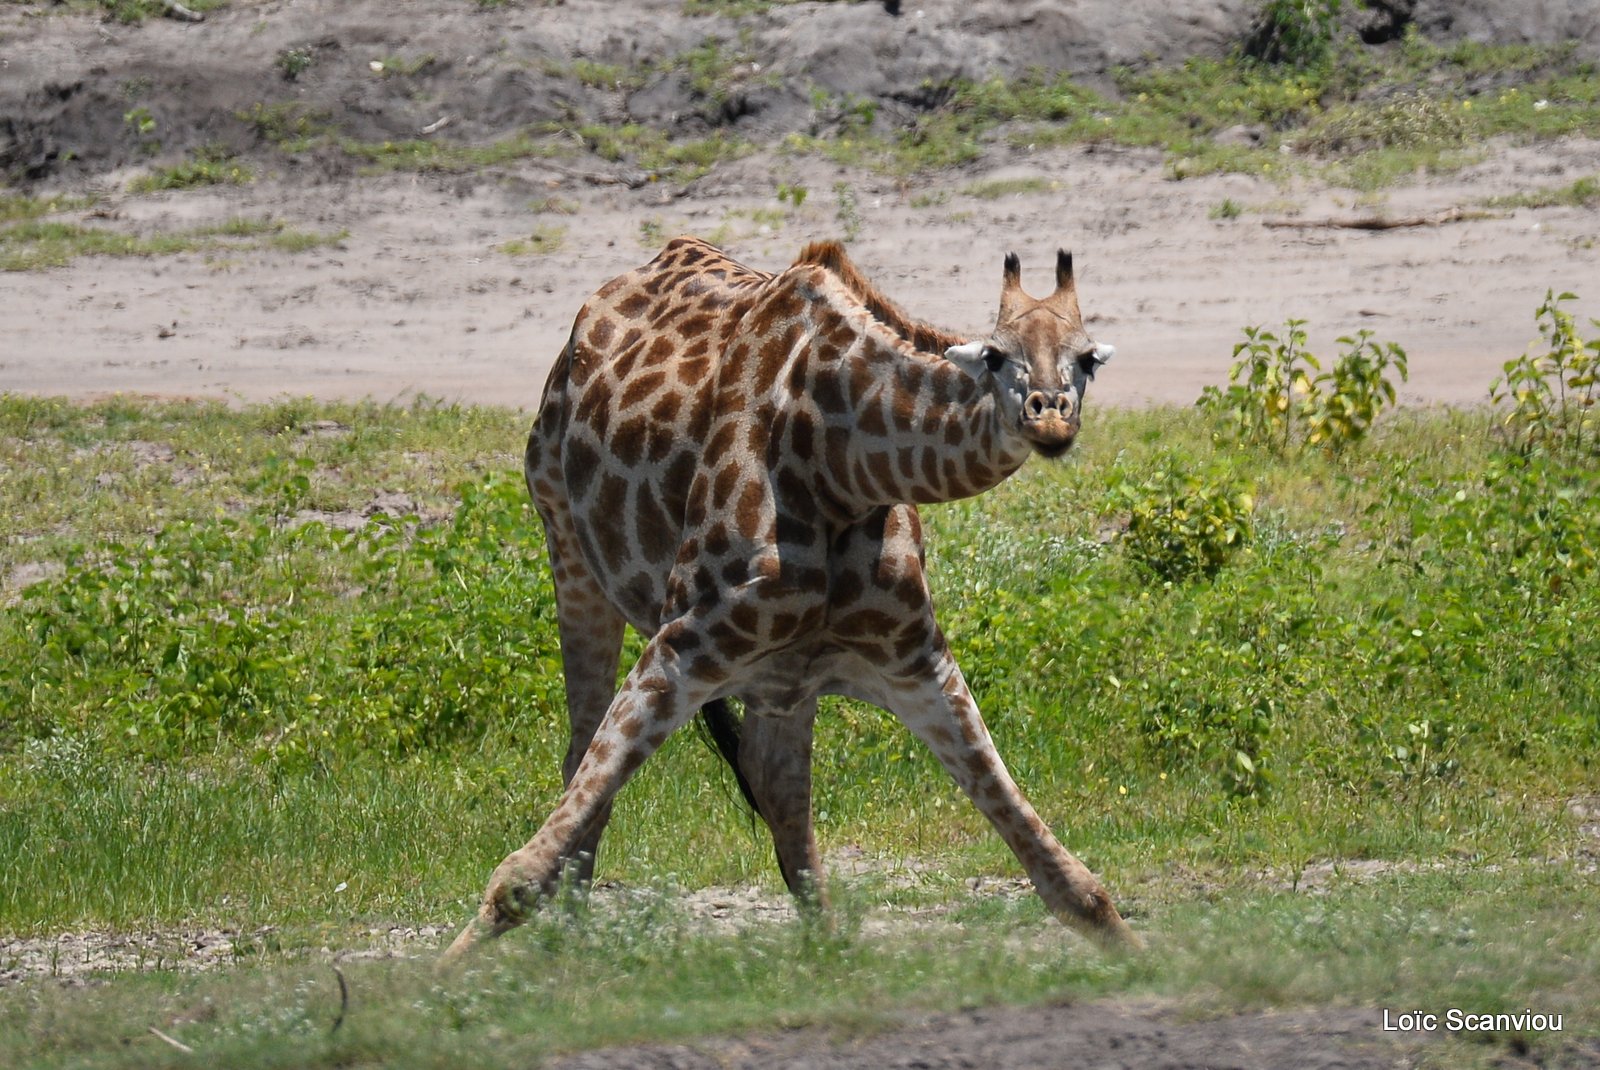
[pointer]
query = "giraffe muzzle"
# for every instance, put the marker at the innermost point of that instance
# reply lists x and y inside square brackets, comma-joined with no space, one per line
[1050,421]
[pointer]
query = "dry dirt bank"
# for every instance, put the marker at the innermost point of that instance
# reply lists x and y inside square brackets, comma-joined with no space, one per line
[419,299]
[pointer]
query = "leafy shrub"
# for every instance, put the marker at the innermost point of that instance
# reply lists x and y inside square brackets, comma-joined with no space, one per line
[148,638]
[1527,521]
[1258,405]
[157,649]
[1181,524]
[1548,401]
[1296,33]
[1342,405]
[191,173]
[1273,397]
[1214,711]
[293,62]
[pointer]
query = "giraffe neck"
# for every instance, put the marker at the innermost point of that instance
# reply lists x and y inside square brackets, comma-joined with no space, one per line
[916,430]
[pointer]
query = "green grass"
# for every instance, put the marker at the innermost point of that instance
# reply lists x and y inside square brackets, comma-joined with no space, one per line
[597,75]
[1579,193]
[191,625]
[997,188]
[192,173]
[542,242]
[651,151]
[37,244]
[136,10]
[222,711]
[15,207]
[649,974]
[1364,118]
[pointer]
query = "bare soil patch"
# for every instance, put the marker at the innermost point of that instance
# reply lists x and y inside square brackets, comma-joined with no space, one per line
[419,299]
[1149,1034]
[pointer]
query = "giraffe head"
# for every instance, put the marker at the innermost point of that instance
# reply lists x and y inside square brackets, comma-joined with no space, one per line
[1038,360]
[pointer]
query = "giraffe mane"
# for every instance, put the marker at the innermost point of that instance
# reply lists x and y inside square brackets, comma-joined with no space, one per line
[830,256]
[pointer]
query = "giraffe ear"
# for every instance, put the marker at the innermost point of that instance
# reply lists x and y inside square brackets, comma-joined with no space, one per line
[969,358]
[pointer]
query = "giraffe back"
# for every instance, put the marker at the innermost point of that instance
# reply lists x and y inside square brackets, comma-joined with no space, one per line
[625,415]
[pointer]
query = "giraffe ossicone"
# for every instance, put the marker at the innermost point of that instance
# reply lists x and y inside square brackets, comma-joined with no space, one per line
[730,460]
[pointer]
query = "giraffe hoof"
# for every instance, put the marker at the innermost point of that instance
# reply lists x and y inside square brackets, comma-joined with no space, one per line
[461,948]
[501,912]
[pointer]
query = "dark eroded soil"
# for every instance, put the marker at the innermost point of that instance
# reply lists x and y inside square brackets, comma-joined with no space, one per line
[1145,1034]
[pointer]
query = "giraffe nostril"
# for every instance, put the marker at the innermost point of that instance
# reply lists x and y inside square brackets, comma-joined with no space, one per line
[1035,405]
[1064,404]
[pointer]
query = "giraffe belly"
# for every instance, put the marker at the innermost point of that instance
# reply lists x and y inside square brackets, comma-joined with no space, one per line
[788,679]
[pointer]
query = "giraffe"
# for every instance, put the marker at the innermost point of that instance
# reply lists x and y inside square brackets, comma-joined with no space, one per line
[730,461]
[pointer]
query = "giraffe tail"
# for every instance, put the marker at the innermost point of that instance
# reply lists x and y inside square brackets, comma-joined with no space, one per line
[722,726]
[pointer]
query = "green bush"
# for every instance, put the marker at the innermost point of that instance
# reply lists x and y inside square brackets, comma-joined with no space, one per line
[1295,33]
[1341,405]
[1273,398]
[1182,524]
[1548,401]
[291,638]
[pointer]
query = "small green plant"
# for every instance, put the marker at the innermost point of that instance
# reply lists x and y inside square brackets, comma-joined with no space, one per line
[210,166]
[1342,404]
[542,242]
[15,207]
[847,213]
[1228,209]
[1294,33]
[143,126]
[651,233]
[1425,752]
[717,70]
[1182,524]
[289,125]
[1267,373]
[1216,713]
[1548,401]
[1273,397]
[792,194]
[293,62]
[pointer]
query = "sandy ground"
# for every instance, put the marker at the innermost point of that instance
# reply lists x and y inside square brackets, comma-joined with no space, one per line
[420,300]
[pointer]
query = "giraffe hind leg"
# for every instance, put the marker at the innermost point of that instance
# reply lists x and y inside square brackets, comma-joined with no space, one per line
[591,648]
[773,763]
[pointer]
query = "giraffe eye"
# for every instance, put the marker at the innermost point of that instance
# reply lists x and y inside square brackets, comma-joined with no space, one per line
[993,359]
[1088,362]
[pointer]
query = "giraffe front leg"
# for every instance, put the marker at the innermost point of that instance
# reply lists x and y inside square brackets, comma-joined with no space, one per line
[940,711]
[655,700]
